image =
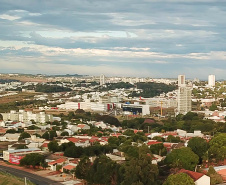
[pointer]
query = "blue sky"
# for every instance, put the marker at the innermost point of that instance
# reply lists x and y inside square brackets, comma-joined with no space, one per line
[145,38]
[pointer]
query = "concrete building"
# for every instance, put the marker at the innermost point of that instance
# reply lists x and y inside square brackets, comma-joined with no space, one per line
[184,102]
[102,79]
[25,117]
[211,80]
[135,109]
[181,80]
[183,96]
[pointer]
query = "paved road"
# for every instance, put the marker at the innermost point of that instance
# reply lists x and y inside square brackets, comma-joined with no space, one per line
[32,177]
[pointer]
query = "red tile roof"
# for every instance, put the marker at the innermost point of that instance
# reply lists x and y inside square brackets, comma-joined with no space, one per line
[153,142]
[72,139]
[45,145]
[61,160]
[69,167]
[194,175]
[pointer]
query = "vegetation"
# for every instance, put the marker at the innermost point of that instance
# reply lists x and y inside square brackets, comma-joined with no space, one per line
[182,158]
[33,159]
[199,146]
[151,89]
[177,179]
[9,179]
[215,178]
[51,88]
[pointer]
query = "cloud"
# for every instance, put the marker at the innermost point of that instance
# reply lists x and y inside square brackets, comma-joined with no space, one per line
[148,37]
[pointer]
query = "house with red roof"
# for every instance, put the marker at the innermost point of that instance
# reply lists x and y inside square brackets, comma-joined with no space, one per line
[199,178]
[53,164]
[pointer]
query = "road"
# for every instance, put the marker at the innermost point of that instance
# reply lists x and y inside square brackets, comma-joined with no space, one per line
[32,177]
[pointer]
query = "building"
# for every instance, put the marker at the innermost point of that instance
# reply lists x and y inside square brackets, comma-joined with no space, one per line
[25,117]
[181,80]
[211,80]
[102,79]
[199,178]
[184,102]
[135,109]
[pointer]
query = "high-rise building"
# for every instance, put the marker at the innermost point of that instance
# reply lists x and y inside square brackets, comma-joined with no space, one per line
[181,80]
[211,80]
[102,79]
[183,96]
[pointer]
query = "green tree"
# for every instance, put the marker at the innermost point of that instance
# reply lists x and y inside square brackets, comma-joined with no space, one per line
[65,133]
[82,168]
[46,135]
[215,178]
[34,159]
[217,149]
[158,149]
[114,141]
[53,146]
[52,134]
[173,139]
[177,179]
[182,157]
[24,135]
[74,151]
[198,145]
[140,171]
[103,165]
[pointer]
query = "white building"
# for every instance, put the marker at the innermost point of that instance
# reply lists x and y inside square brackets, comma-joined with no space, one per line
[181,80]
[184,102]
[26,117]
[102,79]
[211,80]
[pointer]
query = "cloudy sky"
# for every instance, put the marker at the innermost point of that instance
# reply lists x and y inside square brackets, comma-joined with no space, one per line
[144,38]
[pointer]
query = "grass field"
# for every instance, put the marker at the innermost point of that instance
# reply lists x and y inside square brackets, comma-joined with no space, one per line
[8,179]
[18,97]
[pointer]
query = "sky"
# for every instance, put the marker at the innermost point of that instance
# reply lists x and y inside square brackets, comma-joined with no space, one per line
[136,38]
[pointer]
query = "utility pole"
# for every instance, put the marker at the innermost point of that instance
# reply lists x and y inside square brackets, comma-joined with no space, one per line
[25,181]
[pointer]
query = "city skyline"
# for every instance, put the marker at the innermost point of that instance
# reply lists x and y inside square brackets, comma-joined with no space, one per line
[149,38]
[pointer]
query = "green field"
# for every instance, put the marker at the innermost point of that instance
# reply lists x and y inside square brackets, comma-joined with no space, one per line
[8,179]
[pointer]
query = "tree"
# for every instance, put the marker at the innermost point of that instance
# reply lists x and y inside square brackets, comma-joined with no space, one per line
[12,131]
[46,135]
[65,133]
[82,168]
[74,151]
[177,179]
[52,134]
[53,146]
[103,165]
[34,159]
[217,148]
[182,157]
[173,139]
[113,141]
[21,146]
[198,145]
[24,135]
[215,178]
[158,149]
[140,171]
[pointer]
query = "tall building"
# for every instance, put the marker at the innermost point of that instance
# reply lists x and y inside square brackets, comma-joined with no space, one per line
[102,79]
[184,96]
[211,80]
[181,80]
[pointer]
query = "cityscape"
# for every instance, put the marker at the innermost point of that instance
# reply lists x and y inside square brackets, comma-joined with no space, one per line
[75,129]
[122,92]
